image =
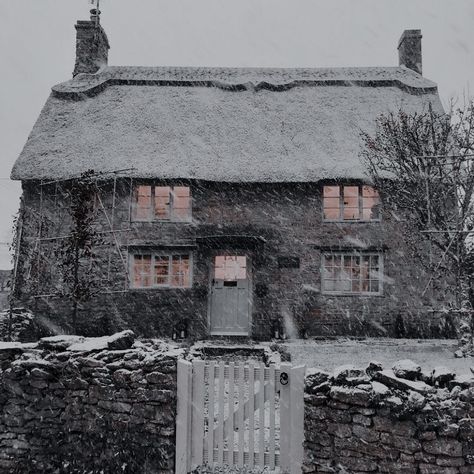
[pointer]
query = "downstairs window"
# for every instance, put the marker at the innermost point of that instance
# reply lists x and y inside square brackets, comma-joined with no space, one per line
[158,270]
[352,273]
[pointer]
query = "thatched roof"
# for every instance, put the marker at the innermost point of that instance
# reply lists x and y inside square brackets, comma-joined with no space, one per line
[218,124]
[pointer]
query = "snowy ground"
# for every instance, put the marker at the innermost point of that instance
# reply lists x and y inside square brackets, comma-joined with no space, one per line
[428,353]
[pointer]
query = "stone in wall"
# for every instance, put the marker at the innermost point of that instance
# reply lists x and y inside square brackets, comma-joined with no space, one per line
[74,404]
[375,420]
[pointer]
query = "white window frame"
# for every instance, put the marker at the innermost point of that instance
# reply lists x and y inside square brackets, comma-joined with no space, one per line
[353,254]
[341,203]
[152,216]
[154,255]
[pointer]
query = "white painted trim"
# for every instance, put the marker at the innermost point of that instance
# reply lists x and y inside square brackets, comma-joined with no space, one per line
[160,253]
[152,217]
[359,253]
[249,256]
[341,219]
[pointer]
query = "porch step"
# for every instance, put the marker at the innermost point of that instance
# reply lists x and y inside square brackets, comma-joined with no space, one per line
[231,351]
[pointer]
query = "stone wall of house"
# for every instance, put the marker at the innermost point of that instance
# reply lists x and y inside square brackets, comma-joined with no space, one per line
[273,221]
[389,421]
[69,404]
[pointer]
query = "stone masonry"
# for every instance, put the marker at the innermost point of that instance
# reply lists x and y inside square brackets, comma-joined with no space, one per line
[100,405]
[277,221]
[402,420]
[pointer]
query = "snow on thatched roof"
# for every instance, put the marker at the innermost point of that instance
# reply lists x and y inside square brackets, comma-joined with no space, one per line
[219,124]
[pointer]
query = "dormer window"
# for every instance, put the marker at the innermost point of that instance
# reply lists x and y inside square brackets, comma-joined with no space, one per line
[351,203]
[162,203]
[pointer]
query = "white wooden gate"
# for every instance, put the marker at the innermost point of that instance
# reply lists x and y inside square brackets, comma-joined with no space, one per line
[239,414]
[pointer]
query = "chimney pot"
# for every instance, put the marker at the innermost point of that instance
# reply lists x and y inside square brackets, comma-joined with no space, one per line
[409,50]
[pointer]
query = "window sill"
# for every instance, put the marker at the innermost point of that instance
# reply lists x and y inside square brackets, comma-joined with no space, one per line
[161,221]
[357,295]
[161,288]
[377,221]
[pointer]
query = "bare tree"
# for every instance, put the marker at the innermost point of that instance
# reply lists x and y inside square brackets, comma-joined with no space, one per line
[422,165]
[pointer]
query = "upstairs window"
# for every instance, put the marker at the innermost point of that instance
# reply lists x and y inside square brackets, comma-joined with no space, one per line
[352,273]
[161,271]
[351,203]
[162,203]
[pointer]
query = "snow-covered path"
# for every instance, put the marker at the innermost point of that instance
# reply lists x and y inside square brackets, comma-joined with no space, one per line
[328,354]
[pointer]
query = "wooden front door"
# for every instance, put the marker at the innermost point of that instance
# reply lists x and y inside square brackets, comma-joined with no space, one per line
[230,296]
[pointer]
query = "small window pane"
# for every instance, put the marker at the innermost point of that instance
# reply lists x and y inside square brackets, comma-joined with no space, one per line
[181,191]
[370,203]
[181,202]
[351,191]
[331,191]
[332,214]
[180,275]
[162,202]
[374,286]
[331,203]
[351,213]
[143,202]
[161,270]
[142,271]
[369,191]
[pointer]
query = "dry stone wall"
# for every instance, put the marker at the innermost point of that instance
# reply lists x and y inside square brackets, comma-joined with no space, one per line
[401,420]
[73,405]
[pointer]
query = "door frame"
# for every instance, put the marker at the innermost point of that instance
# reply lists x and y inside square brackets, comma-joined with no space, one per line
[229,253]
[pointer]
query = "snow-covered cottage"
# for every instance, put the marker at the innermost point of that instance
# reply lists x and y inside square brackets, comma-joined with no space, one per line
[230,201]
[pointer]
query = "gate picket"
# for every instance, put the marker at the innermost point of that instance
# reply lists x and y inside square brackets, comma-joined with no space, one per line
[220,426]
[261,416]
[216,400]
[210,417]
[251,413]
[240,415]
[230,442]
[271,398]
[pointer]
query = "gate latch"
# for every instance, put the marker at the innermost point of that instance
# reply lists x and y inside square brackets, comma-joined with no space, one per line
[284,378]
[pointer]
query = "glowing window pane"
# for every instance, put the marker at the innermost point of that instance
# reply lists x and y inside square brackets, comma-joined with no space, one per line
[230,268]
[180,271]
[351,191]
[142,271]
[331,191]
[143,202]
[162,202]
[344,273]
[161,270]
[181,202]
[351,213]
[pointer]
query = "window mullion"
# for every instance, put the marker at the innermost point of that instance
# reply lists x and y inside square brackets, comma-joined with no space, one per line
[152,208]
[171,204]
[341,203]
[170,266]
[152,271]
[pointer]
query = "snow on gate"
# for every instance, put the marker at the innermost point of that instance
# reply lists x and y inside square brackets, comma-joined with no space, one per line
[239,414]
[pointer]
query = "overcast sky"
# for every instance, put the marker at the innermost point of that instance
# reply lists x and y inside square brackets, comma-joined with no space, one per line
[37,48]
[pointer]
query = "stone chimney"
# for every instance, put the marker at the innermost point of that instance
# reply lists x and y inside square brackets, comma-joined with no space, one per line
[409,50]
[92,45]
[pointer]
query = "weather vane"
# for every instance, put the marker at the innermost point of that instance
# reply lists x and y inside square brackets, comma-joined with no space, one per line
[95,12]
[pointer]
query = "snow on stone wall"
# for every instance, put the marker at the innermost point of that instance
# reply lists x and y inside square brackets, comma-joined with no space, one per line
[389,421]
[70,404]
